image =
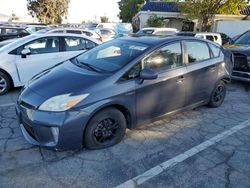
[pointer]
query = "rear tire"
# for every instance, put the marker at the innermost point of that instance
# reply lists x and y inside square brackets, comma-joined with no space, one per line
[105,129]
[5,83]
[218,95]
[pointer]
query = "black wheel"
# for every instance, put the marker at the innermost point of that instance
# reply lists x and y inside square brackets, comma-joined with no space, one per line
[218,95]
[105,129]
[5,83]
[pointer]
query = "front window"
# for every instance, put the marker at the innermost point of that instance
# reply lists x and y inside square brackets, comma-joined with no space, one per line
[243,39]
[168,57]
[41,46]
[113,55]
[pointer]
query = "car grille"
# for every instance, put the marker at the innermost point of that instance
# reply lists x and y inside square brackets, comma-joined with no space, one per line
[240,63]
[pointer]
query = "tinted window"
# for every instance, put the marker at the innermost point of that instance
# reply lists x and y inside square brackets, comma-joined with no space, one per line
[42,45]
[113,55]
[216,50]
[105,32]
[74,44]
[210,37]
[87,33]
[243,39]
[74,31]
[145,32]
[90,44]
[59,31]
[197,51]
[132,73]
[168,57]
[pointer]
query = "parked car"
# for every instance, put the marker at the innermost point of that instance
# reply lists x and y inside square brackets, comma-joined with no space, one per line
[91,99]
[5,42]
[219,38]
[106,34]
[157,31]
[89,33]
[35,28]
[26,57]
[240,50]
[9,32]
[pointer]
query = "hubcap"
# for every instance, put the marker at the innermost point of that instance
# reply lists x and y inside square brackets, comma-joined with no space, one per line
[105,130]
[218,94]
[3,84]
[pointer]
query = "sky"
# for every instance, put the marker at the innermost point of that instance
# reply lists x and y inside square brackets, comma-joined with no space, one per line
[79,10]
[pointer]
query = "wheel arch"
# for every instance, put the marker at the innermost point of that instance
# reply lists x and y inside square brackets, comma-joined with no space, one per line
[7,74]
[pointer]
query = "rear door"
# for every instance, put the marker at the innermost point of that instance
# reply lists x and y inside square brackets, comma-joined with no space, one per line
[45,53]
[166,93]
[202,71]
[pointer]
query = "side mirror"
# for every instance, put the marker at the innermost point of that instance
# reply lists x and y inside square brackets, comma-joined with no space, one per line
[25,52]
[148,74]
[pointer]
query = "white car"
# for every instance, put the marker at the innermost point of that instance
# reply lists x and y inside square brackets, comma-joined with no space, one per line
[28,56]
[215,37]
[157,31]
[89,33]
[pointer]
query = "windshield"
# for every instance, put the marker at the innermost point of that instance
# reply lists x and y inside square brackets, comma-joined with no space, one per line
[17,42]
[113,55]
[243,39]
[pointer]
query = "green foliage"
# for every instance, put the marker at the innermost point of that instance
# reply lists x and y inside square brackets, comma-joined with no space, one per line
[155,21]
[104,19]
[232,7]
[48,11]
[129,8]
[205,10]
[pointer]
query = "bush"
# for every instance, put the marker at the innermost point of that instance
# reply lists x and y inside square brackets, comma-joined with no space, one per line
[155,21]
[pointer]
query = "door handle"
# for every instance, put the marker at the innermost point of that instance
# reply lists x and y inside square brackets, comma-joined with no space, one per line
[180,80]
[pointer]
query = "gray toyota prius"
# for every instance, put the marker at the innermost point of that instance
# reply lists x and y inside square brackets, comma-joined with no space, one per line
[92,99]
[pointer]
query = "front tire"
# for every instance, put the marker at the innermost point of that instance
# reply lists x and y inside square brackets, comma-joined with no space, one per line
[105,129]
[218,95]
[5,83]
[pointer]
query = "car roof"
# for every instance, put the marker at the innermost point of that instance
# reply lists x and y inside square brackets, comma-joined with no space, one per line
[11,27]
[207,33]
[35,36]
[157,40]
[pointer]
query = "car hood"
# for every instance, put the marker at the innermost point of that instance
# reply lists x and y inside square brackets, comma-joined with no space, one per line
[238,48]
[66,78]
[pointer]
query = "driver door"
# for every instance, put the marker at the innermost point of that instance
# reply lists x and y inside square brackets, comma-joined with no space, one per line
[44,53]
[167,93]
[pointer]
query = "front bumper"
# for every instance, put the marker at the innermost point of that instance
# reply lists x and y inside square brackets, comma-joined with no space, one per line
[241,76]
[60,131]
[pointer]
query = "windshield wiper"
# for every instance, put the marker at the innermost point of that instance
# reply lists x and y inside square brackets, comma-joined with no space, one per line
[89,66]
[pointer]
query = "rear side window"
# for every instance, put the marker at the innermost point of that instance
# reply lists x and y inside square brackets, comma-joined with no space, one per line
[197,51]
[74,44]
[216,50]
[166,58]
[74,31]
[210,37]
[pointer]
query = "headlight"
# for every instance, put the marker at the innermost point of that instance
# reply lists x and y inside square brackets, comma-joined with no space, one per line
[62,103]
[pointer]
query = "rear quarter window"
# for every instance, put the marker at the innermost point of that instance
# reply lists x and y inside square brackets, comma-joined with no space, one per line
[215,50]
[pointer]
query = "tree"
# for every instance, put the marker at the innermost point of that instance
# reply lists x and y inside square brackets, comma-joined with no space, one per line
[48,11]
[13,17]
[129,8]
[104,19]
[155,21]
[205,10]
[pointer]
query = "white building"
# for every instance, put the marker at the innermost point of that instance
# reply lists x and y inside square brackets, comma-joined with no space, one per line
[171,14]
